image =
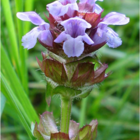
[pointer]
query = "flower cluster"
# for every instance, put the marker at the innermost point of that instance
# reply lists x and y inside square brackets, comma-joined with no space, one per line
[75,29]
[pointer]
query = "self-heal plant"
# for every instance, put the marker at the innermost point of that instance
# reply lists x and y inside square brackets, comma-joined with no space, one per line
[71,67]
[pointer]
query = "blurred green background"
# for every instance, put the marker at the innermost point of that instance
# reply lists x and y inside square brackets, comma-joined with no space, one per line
[114,102]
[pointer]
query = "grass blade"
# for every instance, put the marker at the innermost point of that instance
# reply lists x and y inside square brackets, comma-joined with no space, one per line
[22,51]
[2,101]
[12,35]
[16,104]
[16,86]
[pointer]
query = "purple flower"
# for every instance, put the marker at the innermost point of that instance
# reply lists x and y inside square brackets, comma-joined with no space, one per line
[107,33]
[90,6]
[41,32]
[61,7]
[73,36]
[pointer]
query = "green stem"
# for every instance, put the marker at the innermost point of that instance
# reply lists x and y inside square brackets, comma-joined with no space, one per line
[65,114]
[83,111]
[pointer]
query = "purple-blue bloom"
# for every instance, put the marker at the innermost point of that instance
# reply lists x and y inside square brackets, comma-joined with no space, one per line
[107,33]
[76,28]
[61,7]
[41,32]
[73,36]
[90,6]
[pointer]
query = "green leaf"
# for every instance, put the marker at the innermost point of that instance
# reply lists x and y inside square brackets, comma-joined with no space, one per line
[85,133]
[47,125]
[85,92]
[93,125]
[2,101]
[36,132]
[16,105]
[22,51]
[16,86]
[12,35]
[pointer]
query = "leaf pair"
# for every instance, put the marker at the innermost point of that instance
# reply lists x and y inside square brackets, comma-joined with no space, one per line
[47,130]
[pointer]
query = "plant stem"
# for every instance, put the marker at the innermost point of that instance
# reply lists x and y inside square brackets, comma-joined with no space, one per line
[65,114]
[83,111]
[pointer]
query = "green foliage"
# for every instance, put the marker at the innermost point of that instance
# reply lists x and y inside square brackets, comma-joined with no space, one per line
[2,101]
[114,102]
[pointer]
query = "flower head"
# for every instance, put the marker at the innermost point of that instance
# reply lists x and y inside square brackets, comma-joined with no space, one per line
[41,32]
[75,30]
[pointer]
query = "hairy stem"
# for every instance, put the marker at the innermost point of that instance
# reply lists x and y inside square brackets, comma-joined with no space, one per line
[65,114]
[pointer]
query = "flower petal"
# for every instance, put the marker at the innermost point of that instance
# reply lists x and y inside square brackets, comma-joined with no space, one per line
[62,37]
[29,40]
[67,1]
[87,39]
[30,16]
[101,30]
[89,6]
[87,1]
[44,26]
[97,9]
[99,0]
[115,18]
[46,37]
[41,32]
[75,26]
[76,20]
[98,40]
[73,6]
[113,40]
[59,8]
[73,47]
